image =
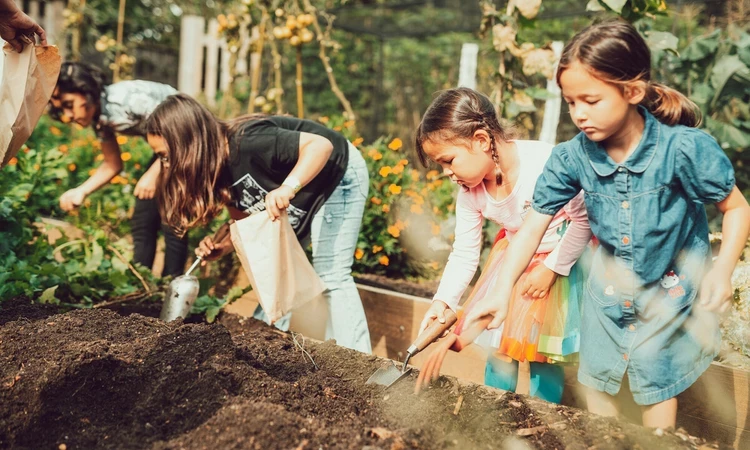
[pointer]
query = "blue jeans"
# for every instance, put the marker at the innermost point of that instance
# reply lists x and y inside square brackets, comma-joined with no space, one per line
[334,233]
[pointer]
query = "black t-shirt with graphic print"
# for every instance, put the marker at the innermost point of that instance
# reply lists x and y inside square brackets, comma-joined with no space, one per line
[263,152]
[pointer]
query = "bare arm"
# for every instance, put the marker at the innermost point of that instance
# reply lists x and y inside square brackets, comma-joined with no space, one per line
[14,23]
[111,166]
[716,289]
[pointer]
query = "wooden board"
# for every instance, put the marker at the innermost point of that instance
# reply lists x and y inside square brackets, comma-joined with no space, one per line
[715,407]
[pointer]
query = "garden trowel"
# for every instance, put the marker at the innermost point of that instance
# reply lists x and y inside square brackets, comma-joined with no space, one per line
[183,290]
[391,373]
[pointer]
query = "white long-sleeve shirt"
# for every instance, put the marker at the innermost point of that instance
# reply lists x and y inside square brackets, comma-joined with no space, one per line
[565,239]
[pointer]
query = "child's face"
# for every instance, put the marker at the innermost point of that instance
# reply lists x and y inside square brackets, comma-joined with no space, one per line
[77,108]
[466,162]
[159,145]
[597,108]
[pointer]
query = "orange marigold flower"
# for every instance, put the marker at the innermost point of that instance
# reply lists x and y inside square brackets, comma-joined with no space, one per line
[386,208]
[126,156]
[13,161]
[395,144]
[63,148]
[434,265]
[55,131]
[122,140]
[99,157]
[36,167]
[71,167]
[419,200]
[376,200]
[377,156]
[398,168]
[435,209]
[137,166]
[404,162]
[417,209]
[359,253]
[376,248]
[337,128]
[401,225]
[394,231]
[357,142]
[65,119]
[348,123]
[116,179]
[385,171]
[92,171]
[414,174]
[383,260]
[432,174]
[394,189]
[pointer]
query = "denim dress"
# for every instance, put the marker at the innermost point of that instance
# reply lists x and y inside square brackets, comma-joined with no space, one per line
[647,212]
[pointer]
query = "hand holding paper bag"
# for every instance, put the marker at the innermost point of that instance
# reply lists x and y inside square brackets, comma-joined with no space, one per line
[28,80]
[275,263]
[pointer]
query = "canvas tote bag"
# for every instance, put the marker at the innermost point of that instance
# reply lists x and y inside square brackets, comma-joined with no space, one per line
[28,80]
[275,263]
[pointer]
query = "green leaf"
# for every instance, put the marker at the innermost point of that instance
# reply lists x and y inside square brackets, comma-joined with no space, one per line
[212,312]
[661,40]
[48,296]
[95,260]
[615,5]
[702,46]
[594,5]
[727,135]
[723,70]
[539,93]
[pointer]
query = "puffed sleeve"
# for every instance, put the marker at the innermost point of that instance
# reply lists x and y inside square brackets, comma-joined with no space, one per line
[704,170]
[558,183]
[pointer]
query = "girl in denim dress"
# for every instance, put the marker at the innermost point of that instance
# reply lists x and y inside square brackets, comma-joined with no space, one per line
[460,131]
[650,303]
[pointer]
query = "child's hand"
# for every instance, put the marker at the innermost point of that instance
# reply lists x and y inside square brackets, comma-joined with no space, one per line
[436,312]
[716,290]
[538,282]
[494,304]
[210,250]
[278,200]
[72,199]
[145,188]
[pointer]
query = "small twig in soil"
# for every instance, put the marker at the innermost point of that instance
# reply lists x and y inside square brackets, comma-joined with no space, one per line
[302,347]
[458,405]
[122,299]
[302,444]
[531,431]
[130,266]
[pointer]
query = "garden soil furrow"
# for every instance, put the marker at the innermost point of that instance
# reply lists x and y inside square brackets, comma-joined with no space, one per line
[98,379]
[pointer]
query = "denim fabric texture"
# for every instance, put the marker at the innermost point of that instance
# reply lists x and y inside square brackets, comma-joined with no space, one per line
[648,214]
[335,232]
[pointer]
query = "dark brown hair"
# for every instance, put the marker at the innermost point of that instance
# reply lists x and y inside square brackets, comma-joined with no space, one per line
[457,114]
[196,185]
[615,52]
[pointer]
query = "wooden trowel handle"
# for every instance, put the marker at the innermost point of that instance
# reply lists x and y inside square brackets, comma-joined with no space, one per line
[468,335]
[432,332]
[222,232]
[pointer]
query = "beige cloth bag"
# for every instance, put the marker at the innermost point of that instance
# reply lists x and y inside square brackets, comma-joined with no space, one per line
[275,263]
[28,80]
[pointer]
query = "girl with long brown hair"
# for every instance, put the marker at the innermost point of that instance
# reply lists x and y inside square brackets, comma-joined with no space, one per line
[645,171]
[273,164]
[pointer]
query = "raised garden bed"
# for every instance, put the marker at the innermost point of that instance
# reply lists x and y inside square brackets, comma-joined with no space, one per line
[98,379]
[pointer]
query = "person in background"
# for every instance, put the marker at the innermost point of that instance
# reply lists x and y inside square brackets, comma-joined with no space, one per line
[268,164]
[650,304]
[82,96]
[496,174]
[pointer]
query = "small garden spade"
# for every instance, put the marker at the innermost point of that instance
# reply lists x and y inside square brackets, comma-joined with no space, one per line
[390,373]
[183,290]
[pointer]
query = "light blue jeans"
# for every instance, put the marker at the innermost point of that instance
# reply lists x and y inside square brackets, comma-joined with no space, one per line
[334,233]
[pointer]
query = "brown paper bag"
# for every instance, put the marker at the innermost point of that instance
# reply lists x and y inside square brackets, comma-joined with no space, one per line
[28,80]
[275,263]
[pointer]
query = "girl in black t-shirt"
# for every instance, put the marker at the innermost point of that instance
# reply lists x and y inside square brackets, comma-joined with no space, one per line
[268,164]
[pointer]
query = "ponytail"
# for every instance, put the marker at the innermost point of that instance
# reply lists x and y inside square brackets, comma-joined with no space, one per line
[670,106]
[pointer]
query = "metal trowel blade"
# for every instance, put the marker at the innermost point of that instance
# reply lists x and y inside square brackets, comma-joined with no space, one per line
[387,375]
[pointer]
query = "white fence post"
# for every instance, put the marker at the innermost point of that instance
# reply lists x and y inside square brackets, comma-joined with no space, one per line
[189,76]
[552,106]
[467,70]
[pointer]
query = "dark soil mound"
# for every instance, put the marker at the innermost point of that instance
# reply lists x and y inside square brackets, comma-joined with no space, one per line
[96,379]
